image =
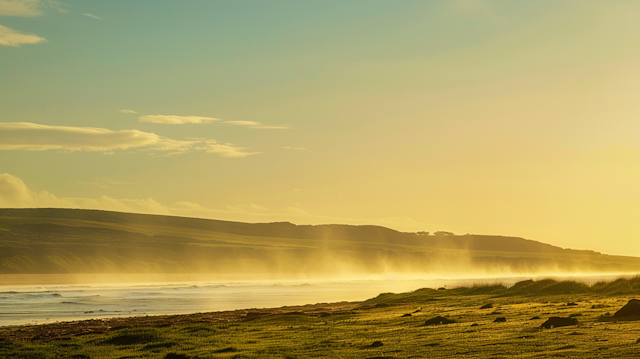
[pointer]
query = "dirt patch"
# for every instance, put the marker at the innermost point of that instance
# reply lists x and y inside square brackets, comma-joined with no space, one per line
[176,356]
[556,322]
[255,315]
[294,313]
[439,321]
[131,339]
[375,344]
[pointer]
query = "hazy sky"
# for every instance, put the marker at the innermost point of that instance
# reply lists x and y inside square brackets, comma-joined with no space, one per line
[488,117]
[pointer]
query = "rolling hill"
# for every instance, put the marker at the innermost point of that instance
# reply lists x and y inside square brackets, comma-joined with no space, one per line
[52,241]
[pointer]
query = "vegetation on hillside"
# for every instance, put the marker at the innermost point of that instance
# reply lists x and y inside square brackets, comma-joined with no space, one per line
[39,241]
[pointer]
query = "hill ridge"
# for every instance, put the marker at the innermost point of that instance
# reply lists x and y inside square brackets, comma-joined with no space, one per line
[285,229]
[49,240]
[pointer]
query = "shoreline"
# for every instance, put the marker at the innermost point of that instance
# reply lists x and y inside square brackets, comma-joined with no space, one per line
[524,289]
[69,329]
[479,322]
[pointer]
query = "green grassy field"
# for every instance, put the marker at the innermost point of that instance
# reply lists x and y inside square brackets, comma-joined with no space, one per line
[356,330]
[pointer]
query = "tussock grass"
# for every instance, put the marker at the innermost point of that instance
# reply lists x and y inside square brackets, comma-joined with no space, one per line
[548,286]
[485,289]
[620,286]
[134,336]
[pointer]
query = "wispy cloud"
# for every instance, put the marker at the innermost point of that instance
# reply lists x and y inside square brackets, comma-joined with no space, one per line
[295,148]
[254,124]
[272,127]
[14,193]
[243,123]
[34,137]
[188,205]
[127,111]
[24,8]
[296,208]
[93,16]
[28,8]
[225,149]
[11,37]
[182,120]
[177,120]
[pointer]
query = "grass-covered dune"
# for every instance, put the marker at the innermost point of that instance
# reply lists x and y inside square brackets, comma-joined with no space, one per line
[483,322]
[527,288]
[46,241]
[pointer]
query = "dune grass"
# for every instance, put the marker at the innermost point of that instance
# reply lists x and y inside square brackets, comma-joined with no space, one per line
[618,287]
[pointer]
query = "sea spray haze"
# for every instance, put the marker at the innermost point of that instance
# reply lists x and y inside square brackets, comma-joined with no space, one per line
[67,241]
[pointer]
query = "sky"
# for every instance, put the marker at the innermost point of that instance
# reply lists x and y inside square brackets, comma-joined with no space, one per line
[516,118]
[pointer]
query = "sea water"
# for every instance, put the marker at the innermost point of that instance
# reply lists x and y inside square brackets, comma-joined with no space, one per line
[39,304]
